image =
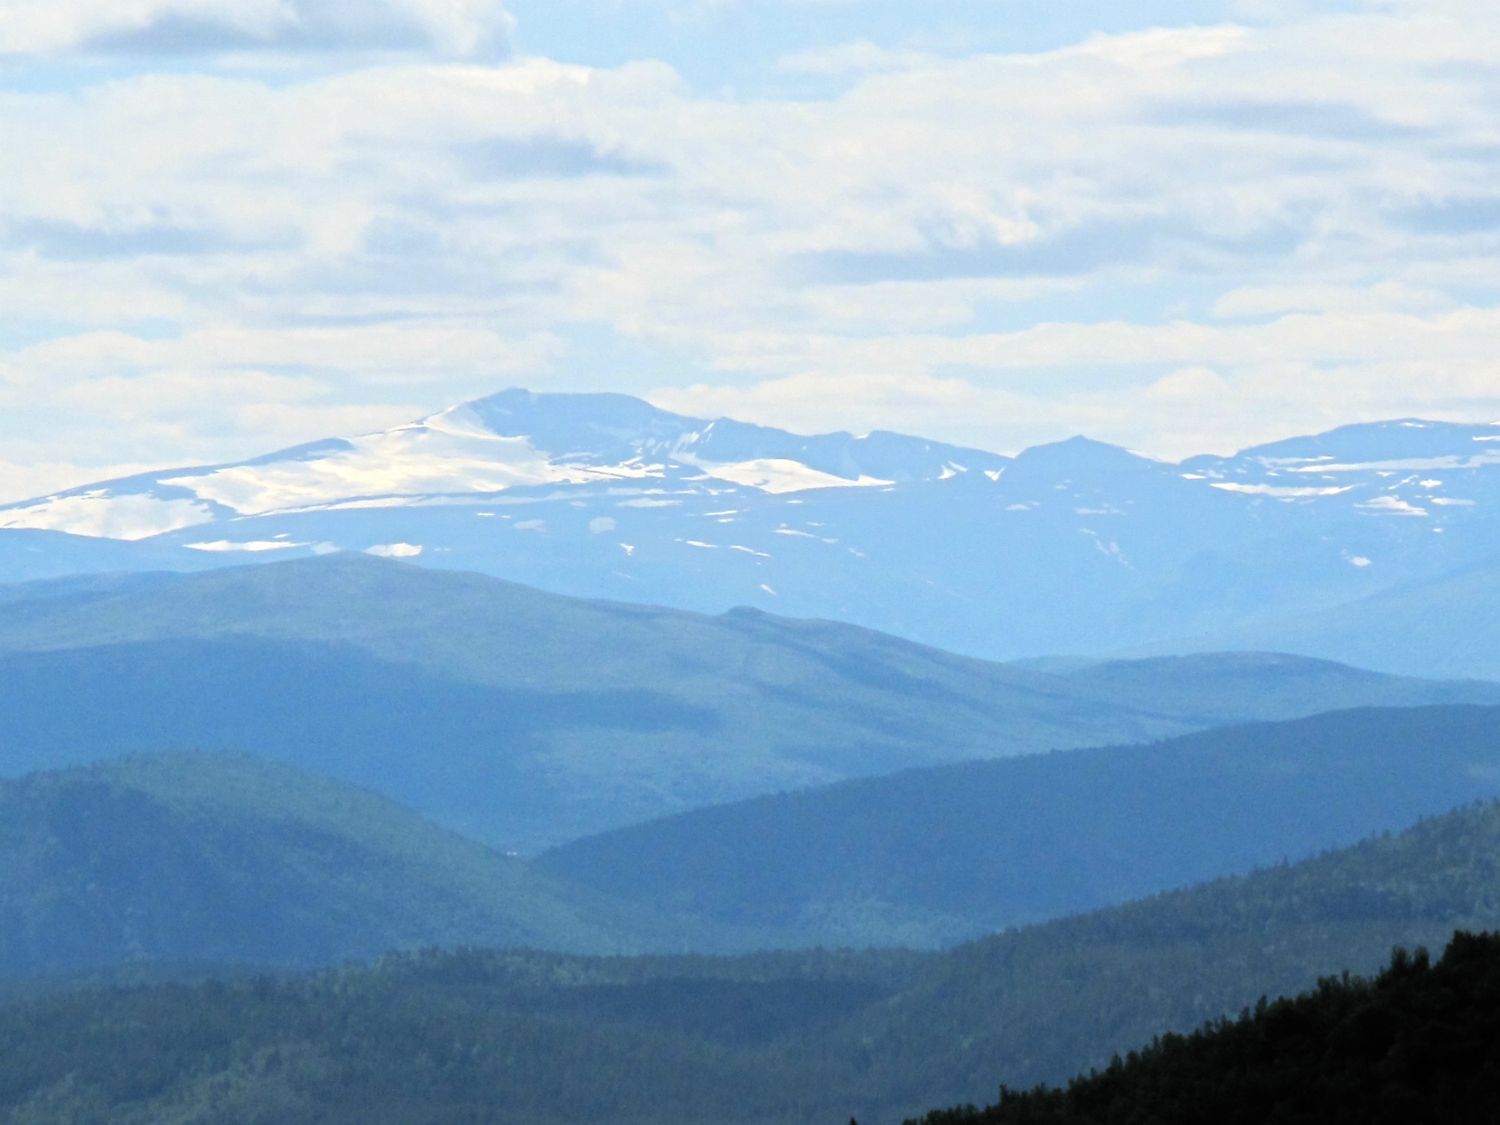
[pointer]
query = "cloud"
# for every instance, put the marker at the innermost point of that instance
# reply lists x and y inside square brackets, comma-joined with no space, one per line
[860,56]
[1314,119]
[1274,226]
[1461,215]
[53,238]
[458,28]
[549,157]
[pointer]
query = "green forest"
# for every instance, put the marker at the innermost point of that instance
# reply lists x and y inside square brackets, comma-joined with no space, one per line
[509,1036]
[1418,1043]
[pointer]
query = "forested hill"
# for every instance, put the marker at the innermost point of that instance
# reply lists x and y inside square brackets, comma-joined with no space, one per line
[208,857]
[1420,1043]
[949,853]
[512,1038]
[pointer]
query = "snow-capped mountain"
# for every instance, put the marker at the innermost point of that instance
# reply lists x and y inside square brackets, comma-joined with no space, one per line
[1404,468]
[1075,546]
[508,442]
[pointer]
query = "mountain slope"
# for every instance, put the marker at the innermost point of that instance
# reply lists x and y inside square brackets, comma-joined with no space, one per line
[1418,1043]
[1047,1002]
[525,719]
[1224,687]
[942,854]
[1075,546]
[37,556]
[1362,631]
[203,857]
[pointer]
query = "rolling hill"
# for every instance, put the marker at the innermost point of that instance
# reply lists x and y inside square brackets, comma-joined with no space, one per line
[773,1039]
[525,719]
[937,855]
[193,857]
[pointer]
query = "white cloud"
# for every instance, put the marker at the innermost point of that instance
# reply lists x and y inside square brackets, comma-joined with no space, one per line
[860,56]
[1268,227]
[454,27]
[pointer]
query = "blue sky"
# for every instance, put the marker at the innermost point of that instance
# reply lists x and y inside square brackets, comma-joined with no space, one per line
[231,225]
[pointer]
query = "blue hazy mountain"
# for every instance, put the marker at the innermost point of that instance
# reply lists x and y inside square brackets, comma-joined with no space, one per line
[524,719]
[1440,626]
[1075,547]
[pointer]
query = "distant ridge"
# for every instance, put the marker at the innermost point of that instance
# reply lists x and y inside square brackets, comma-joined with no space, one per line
[1071,547]
[943,854]
[525,719]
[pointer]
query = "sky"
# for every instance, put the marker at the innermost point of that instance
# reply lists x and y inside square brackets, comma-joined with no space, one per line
[229,226]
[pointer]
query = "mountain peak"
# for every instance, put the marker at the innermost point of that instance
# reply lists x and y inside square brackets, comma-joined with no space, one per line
[1081,454]
[603,428]
[518,412]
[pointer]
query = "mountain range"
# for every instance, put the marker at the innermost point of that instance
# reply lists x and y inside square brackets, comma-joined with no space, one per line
[194,857]
[1314,545]
[524,719]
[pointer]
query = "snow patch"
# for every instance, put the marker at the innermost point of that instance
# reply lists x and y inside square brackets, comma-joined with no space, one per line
[1414,464]
[1391,505]
[1107,547]
[1280,492]
[101,514]
[253,545]
[777,475]
[451,452]
[395,550]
